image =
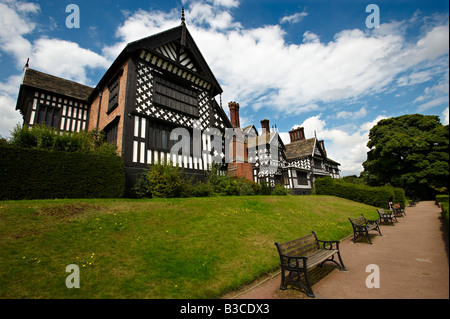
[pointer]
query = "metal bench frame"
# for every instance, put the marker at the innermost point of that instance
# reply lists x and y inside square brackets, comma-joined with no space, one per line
[301,254]
[362,226]
[386,218]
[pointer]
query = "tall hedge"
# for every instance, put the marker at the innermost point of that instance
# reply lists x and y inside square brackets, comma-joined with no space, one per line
[43,174]
[374,196]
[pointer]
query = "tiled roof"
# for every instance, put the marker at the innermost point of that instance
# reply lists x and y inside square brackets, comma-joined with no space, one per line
[300,148]
[55,84]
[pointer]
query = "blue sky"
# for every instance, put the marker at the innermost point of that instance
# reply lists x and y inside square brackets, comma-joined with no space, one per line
[310,63]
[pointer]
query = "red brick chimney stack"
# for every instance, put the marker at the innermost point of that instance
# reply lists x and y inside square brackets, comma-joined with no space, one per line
[234,114]
[265,126]
[297,134]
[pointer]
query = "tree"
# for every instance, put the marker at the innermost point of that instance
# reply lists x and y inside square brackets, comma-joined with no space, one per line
[411,152]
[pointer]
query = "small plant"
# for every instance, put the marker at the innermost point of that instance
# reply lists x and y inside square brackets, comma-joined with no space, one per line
[160,180]
[279,190]
[265,188]
[202,190]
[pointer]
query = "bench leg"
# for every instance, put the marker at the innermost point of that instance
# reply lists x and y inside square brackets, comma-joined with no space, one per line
[379,230]
[292,280]
[340,260]
[283,278]
[368,237]
[308,288]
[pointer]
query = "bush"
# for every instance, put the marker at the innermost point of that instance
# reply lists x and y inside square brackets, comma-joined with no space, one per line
[165,180]
[279,190]
[202,190]
[161,180]
[374,196]
[42,174]
[47,138]
[444,213]
[399,196]
[265,188]
[442,198]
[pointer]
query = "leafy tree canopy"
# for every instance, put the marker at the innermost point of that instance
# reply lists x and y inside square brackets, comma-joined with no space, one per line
[411,152]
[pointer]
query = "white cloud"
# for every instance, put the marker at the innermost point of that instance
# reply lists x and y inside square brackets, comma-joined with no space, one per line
[310,37]
[15,26]
[444,117]
[258,68]
[435,95]
[66,59]
[223,3]
[415,78]
[347,147]
[438,101]
[294,18]
[354,115]
[9,116]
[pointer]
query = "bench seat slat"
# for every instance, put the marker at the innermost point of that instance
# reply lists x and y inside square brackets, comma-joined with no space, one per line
[319,256]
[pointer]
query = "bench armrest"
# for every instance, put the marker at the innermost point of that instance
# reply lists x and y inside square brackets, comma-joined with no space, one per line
[328,244]
[293,262]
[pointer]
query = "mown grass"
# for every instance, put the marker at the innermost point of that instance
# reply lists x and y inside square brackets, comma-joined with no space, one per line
[157,248]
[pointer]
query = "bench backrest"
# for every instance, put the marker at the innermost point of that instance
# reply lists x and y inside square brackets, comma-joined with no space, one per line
[358,221]
[381,211]
[302,246]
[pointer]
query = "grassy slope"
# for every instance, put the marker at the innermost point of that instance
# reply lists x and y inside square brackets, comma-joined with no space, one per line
[159,248]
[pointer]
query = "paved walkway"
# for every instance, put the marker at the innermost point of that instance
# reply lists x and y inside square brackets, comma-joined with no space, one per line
[412,258]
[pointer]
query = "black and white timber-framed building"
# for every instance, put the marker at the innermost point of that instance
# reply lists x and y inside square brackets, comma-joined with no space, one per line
[155,85]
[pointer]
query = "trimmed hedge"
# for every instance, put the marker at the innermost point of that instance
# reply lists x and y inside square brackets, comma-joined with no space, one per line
[442,198]
[443,201]
[444,213]
[374,196]
[43,174]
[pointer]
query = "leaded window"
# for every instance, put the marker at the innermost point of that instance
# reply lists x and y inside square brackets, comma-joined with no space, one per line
[175,96]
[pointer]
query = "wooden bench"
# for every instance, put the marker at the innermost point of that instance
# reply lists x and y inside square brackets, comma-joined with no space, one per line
[397,210]
[412,203]
[362,226]
[386,218]
[301,254]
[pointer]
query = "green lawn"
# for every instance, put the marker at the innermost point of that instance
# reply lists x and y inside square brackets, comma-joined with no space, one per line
[157,248]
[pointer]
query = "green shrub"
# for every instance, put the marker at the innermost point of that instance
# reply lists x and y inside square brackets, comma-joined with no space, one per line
[442,198]
[245,187]
[399,196]
[265,188]
[279,190]
[202,190]
[161,180]
[47,138]
[444,213]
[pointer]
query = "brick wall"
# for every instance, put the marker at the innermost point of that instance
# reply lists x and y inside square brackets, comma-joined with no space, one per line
[102,117]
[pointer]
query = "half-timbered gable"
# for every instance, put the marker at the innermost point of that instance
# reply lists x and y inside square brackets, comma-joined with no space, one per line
[52,101]
[267,152]
[156,87]
[174,88]
[306,160]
